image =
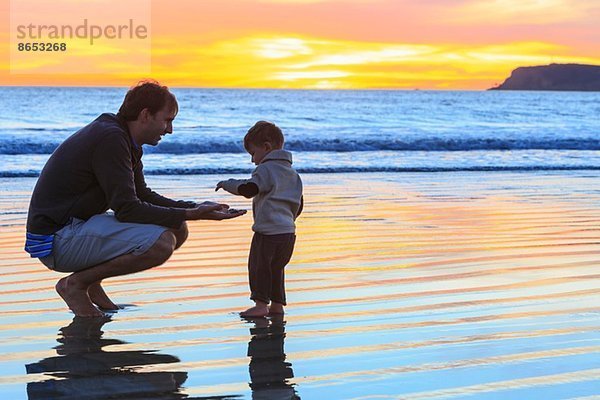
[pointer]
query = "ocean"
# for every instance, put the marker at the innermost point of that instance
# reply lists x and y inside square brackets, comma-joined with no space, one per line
[329,131]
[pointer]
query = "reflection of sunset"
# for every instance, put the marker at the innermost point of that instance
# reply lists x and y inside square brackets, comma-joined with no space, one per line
[312,44]
[442,269]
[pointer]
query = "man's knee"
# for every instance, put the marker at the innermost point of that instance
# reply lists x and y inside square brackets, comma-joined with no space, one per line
[163,248]
[181,234]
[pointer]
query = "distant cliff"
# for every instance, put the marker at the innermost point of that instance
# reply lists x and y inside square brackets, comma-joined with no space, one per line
[577,77]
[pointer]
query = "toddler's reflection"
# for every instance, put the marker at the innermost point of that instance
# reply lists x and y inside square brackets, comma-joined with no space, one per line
[269,372]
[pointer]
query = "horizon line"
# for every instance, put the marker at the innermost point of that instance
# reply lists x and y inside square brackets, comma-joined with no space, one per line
[399,89]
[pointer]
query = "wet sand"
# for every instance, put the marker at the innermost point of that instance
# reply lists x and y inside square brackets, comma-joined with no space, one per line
[418,286]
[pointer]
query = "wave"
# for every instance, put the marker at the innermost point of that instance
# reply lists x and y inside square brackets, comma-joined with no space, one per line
[332,170]
[14,147]
[27,147]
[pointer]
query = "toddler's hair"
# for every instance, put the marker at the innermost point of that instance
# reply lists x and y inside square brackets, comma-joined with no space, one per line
[264,131]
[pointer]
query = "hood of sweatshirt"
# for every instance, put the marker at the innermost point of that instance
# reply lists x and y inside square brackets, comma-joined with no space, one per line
[279,155]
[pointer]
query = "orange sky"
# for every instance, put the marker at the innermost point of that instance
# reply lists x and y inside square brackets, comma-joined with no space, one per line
[427,44]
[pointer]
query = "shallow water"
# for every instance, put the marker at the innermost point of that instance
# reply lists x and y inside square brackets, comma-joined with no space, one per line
[414,285]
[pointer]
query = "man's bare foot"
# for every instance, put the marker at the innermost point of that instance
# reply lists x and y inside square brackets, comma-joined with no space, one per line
[77,299]
[100,298]
[276,309]
[260,310]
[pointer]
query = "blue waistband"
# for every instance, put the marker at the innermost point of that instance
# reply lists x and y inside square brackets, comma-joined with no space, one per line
[39,246]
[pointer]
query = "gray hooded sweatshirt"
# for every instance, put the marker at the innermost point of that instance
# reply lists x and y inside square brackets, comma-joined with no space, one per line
[276,205]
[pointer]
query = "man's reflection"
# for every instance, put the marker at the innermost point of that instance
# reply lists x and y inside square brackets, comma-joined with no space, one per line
[269,372]
[85,371]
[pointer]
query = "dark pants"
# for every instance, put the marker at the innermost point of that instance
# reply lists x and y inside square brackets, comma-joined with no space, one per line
[269,254]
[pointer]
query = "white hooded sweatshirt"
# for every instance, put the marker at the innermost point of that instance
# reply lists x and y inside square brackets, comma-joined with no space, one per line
[276,205]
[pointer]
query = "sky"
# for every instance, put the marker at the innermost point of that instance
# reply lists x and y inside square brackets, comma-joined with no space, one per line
[312,44]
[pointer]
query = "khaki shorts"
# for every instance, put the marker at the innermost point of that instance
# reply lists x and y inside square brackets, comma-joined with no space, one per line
[84,244]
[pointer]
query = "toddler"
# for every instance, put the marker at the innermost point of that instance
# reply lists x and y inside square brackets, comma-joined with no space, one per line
[276,192]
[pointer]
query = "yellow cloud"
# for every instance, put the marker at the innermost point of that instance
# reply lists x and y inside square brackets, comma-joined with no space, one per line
[522,54]
[313,75]
[281,47]
[383,54]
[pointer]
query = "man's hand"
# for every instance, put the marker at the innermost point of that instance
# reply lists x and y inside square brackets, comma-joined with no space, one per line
[212,203]
[212,211]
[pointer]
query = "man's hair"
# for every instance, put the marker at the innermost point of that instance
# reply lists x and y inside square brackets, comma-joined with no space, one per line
[264,131]
[146,94]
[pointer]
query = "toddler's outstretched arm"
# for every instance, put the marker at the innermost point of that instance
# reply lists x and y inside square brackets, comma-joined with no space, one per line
[239,187]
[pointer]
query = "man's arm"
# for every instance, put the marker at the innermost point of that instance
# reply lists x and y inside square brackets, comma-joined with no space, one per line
[146,194]
[193,211]
[212,211]
[112,167]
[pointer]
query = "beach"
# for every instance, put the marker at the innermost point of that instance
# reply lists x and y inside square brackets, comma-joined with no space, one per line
[428,285]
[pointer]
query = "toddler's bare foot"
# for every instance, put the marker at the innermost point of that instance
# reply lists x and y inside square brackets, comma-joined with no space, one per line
[276,308]
[258,311]
[77,299]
